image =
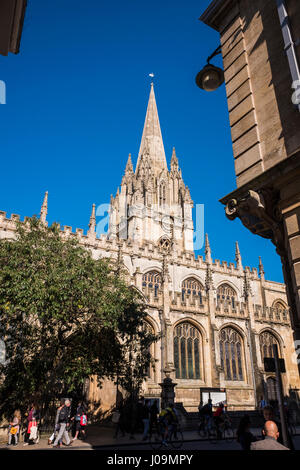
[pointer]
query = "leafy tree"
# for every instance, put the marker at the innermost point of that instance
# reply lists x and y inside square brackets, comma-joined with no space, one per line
[64,317]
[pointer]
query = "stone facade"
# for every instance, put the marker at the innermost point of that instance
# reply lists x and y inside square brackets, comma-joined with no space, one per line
[261,58]
[217,320]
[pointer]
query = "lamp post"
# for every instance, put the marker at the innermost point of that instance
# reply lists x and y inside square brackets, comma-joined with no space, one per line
[210,77]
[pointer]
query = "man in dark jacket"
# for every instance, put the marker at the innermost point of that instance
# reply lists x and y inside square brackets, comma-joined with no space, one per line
[270,442]
[63,421]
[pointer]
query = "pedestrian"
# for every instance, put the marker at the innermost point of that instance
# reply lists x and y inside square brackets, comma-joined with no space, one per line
[119,420]
[219,419]
[244,436]
[262,404]
[63,421]
[14,428]
[270,442]
[56,425]
[145,415]
[154,411]
[80,421]
[31,431]
[269,415]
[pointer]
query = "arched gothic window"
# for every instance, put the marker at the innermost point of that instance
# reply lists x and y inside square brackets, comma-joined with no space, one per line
[227,295]
[280,310]
[231,354]
[187,351]
[192,286]
[152,280]
[266,340]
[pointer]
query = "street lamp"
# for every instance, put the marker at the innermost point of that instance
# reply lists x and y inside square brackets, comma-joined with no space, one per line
[210,77]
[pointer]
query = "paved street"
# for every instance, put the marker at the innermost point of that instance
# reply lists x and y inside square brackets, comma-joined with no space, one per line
[101,438]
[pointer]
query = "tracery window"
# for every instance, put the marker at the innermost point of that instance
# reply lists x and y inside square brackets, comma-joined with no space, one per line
[187,351]
[227,295]
[192,286]
[280,310]
[231,354]
[266,340]
[152,280]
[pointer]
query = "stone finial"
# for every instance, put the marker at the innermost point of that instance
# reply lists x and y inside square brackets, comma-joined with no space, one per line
[92,223]
[261,269]
[208,258]
[129,166]
[174,159]
[44,209]
[238,257]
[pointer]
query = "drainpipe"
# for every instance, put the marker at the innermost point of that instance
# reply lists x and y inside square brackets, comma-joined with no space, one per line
[289,46]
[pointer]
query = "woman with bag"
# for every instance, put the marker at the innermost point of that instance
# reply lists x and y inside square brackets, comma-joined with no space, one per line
[14,427]
[32,431]
[80,421]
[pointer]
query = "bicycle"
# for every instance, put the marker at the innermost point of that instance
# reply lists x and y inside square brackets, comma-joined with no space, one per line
[227,431]
[205,430]
[174,439]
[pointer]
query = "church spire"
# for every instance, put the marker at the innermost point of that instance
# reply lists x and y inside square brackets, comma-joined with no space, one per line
[152,142]
[44,209]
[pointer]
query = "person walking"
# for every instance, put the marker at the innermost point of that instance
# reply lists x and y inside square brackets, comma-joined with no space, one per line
[119,420]
[244,436]
[31,431]
[80,421]
[270,442]
[56,425]
[63,421]
[145,415]
[14,428]
[153,416]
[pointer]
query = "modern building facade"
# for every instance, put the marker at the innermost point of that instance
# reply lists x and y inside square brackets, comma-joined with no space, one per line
[217,320]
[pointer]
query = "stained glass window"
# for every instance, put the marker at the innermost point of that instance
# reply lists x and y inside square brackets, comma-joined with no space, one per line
[231,354]
[267,339]
[187,351]
[227,295]
[152,280]
[192,286]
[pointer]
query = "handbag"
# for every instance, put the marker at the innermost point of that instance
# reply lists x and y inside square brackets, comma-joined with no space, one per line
[13,430]
[33,432]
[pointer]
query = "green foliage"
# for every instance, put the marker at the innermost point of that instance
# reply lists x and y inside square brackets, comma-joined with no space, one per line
[64,317]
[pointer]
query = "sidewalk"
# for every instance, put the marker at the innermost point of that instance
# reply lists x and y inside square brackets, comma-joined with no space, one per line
[100,436]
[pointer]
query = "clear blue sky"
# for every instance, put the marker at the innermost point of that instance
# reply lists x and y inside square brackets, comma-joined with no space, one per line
[76,103]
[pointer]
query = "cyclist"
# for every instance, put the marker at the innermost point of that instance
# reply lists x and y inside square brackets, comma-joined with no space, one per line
[219,419]
[168,422]
[206,414]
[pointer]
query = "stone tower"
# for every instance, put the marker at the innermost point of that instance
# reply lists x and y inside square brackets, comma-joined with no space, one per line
[153,203]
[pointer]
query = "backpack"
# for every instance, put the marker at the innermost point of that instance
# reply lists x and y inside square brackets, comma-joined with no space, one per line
[83,420]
